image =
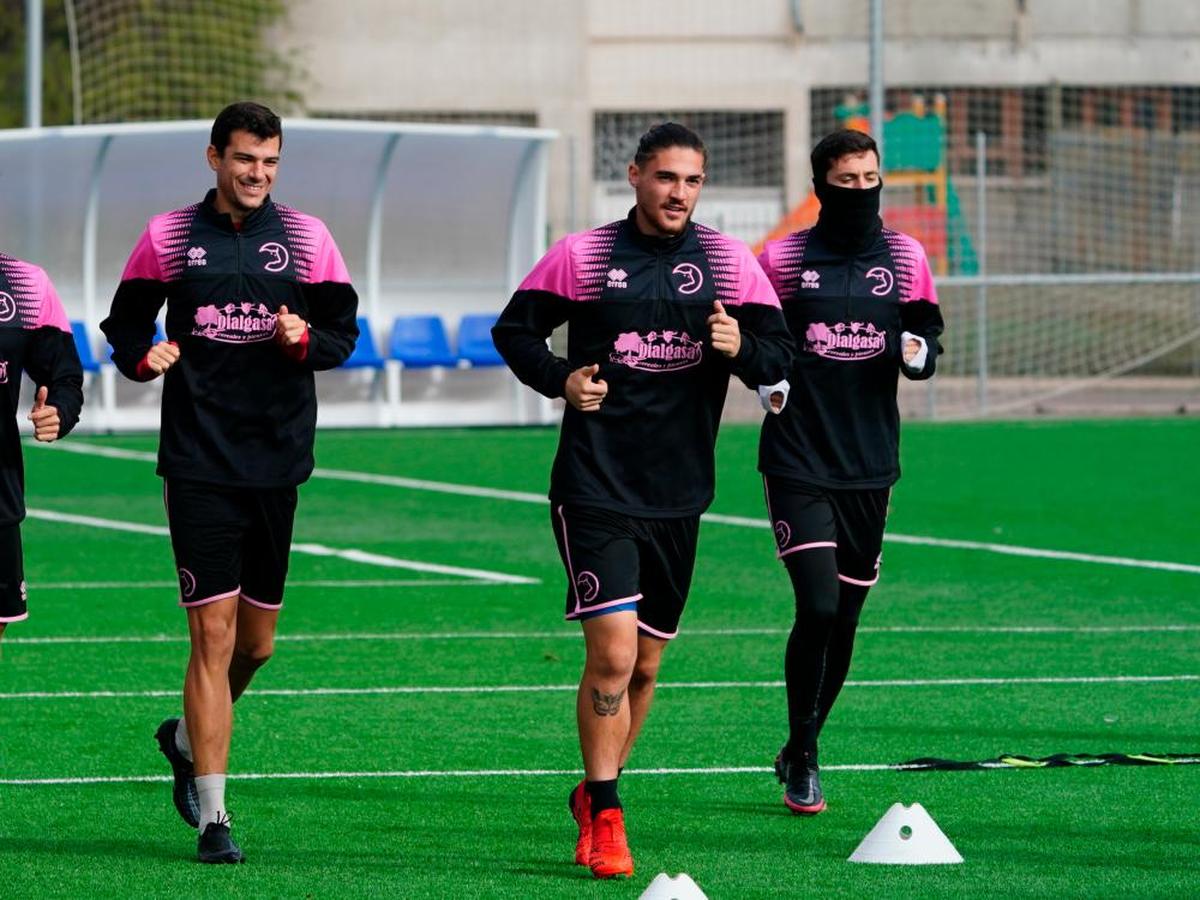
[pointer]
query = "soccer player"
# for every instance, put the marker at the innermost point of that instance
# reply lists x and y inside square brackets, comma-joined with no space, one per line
[660,310]
[257,298]
[859,300]
[35,337]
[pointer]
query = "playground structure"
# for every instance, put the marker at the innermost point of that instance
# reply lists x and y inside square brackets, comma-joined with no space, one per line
[915,143]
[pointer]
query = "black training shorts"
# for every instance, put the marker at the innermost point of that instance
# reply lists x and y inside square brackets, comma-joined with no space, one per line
[12,575]
[806,517]
[230,541]
[618,562]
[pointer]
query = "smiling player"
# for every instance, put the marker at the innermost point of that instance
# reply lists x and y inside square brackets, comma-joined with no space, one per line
[258,298]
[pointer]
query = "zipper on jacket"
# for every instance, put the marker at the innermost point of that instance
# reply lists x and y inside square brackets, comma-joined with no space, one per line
[237,243]
[662,295]
[849,282]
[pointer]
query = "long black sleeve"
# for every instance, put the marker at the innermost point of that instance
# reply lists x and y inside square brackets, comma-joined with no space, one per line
[520,336]
[332,324]
[925,319]
[767,347]
[130,323]
[53,362]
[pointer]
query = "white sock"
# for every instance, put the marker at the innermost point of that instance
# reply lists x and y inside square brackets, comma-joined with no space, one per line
[182,744]
[211,789]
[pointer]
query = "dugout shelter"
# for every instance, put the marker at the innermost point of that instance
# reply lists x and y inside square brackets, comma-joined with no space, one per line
[433,220]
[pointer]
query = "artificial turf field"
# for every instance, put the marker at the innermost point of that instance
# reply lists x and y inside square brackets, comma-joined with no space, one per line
[414,734]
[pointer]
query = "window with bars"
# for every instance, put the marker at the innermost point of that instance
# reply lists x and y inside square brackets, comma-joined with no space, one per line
[745,148]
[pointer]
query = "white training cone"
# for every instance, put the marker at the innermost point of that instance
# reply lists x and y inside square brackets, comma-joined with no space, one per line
[906,836]
[681,887]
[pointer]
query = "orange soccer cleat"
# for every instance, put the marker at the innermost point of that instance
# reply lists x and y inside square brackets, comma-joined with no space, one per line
[610,857]
[580,804]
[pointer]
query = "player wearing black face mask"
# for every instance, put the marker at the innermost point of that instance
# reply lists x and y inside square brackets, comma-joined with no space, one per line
[860,302]
[849,218]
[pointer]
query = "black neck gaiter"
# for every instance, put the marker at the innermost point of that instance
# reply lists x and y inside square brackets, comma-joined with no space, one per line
[849,218]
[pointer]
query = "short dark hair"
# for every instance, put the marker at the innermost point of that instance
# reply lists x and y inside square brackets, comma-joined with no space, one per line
[244,116]
[834,146]
[664,135]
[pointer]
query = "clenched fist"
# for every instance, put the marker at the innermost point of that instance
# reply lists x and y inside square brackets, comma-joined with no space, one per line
[162,356]
[724,331]
[289,327]
[44,418]
[583,393]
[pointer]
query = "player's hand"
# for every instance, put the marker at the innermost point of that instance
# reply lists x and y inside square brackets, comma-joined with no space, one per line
[289,327]
[724,331]
[583,393]
[44,418]
[913,350]
[773,397]
[162,356]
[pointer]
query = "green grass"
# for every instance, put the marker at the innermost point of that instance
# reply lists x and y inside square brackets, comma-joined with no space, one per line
[1113,488]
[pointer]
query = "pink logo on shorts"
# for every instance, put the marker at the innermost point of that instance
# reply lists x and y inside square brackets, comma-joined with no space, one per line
[24,596]
[783,533]
[187,583]
[587,586]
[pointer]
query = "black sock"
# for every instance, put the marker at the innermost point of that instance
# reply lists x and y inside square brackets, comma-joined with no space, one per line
[603,795]
[815,584]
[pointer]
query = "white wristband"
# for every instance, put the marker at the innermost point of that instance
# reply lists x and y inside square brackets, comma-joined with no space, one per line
[918,362]
[766,390]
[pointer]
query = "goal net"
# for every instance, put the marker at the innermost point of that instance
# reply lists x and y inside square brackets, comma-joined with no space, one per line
[137,60]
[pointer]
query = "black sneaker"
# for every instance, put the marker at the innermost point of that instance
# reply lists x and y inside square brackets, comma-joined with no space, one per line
[187,801]
[802,782]
[216,846]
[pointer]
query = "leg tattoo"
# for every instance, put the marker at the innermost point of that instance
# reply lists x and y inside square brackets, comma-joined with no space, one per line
[606,704]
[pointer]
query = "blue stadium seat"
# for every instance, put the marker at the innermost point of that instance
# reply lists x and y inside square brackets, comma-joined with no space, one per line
[475,345]
[420,342]
[364,355]
[83,345]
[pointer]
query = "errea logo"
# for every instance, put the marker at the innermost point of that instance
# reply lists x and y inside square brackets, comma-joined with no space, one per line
[616,278]
[810,279]
[196,256]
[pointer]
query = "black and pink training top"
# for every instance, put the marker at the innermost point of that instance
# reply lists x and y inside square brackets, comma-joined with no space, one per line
[638,306]
[35,338]
[237,408]
[846,310]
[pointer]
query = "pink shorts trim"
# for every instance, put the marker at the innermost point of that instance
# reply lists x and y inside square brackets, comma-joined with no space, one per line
[191,604]
[260,604]
[654,632]
[4,620]
[849,580]
[579,611]
[814,545]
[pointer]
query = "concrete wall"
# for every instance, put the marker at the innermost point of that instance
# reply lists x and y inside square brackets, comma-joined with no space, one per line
[562,60]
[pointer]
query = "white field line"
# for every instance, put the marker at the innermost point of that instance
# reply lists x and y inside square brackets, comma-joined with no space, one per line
[358,556]
[1004,549]
[463,490]
[443,773]
[469,773]
[562,688]
[319,583]
[355,636]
